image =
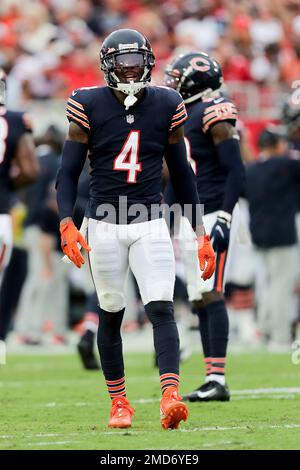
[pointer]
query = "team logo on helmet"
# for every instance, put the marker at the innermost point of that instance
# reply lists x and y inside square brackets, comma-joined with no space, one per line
[200,63]
[194,75]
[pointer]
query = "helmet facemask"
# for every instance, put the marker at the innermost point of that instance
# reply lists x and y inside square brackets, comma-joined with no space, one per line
[128,72]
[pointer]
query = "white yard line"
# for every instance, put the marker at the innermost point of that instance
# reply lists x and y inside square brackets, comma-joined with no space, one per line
[276,393]
[214,428]
[269,397]
[131,432]
[288,393]
[51,443]
[238,428]
[32,436]
[262,391]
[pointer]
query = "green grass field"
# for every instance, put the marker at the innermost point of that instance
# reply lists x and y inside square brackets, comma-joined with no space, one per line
[49,402]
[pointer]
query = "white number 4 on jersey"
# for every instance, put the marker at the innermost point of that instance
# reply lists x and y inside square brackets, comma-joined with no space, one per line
[127,160]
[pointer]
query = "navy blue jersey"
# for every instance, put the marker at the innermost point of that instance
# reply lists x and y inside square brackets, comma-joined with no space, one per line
[272,190]
[12,126]
[211,177]
[126,147]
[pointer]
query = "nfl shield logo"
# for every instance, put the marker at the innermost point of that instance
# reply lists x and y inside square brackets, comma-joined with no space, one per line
[130,118]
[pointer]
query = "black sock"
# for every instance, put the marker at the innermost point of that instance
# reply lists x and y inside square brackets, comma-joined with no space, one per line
[11,287]
[166,341]
[218,333]
[110,350]
[204,333]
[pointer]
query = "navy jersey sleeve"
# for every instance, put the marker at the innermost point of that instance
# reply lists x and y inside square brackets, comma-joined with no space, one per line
[218,110]
[179,114]
[77,110]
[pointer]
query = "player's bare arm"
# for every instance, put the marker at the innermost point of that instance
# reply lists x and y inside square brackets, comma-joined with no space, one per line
[25,161]
[76,134]
[222,131]
[176,136]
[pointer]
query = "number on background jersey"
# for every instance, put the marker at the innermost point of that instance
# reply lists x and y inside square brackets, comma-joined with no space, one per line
[189,154]
[127,160]
[3,136]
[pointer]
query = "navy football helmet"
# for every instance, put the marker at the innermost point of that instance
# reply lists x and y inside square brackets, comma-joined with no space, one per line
[3,85]
[126,58]
[290,115]
[194,75]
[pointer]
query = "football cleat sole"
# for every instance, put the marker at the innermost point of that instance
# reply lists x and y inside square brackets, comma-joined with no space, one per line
[120,426]
[176,413]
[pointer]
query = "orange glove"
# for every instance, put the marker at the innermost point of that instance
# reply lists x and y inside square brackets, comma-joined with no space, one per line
[207,257]
[70,236]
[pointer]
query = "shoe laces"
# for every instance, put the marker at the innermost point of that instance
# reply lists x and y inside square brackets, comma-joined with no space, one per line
[119,404]
[172,392]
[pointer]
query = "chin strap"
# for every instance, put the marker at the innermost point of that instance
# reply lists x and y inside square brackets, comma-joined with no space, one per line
[130,100]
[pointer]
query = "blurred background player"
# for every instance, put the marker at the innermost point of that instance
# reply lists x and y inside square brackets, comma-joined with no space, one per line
[126,149]
[90,321]
[272,189]
[90,324]
[36,197]
[18,167]
[213,143]
[48,276]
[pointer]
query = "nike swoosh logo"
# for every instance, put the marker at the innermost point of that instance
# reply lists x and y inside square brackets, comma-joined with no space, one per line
[206,394]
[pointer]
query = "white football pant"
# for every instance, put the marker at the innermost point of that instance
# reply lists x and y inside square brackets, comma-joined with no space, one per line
[6,242]
[189,255]
[146,247]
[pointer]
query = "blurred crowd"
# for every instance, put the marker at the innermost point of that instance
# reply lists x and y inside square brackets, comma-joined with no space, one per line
[50,47]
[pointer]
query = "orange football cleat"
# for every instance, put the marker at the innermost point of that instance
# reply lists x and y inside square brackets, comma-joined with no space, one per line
[172,409]
[121,413]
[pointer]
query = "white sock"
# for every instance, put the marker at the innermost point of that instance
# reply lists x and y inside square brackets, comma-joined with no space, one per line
[217,378]
[88,325]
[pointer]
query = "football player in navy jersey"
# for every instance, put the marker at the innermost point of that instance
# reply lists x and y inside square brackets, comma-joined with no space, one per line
[16,148]
[127,128]
[213,144]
